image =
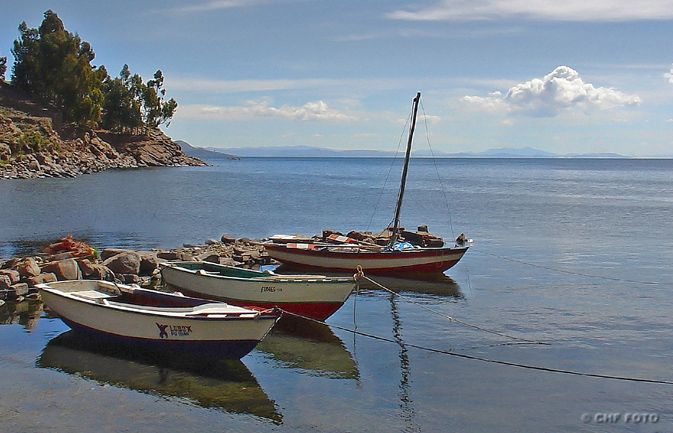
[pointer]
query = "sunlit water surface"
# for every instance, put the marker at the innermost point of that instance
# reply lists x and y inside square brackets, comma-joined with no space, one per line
[575,254]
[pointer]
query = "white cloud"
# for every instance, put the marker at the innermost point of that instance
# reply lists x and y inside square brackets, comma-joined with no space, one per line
[220,4]
[669,75]
[256,109]
[561,90]
[567,10]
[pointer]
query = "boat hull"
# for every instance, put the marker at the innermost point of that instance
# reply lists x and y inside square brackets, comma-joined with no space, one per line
[347,259]
[222,335]
[311,296]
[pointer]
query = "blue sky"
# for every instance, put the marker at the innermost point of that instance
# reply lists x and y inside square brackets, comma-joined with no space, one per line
[564,77]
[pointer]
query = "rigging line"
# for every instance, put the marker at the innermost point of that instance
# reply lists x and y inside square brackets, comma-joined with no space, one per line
[493,361]
[434,161]
[564,271]
[390,170]
[452,319]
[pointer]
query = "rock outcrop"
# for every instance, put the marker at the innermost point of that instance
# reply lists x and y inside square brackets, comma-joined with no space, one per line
[51,148]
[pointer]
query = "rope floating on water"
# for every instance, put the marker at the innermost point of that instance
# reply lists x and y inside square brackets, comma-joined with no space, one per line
[360,274]
[489,360]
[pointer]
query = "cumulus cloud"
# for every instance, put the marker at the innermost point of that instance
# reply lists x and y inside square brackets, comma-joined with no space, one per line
[255,109]
[567,10]
[561,90]
[669,75]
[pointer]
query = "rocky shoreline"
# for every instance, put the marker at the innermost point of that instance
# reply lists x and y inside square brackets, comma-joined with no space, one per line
[60,150]
[76,260]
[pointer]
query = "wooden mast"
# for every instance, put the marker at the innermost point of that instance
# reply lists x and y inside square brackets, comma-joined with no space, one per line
[398,208]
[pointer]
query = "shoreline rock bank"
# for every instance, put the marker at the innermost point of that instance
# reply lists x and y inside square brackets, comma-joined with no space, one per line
[35,142]
[19,276]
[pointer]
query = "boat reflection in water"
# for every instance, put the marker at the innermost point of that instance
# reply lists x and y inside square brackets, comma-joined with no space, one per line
[435,284]
[25,313]
[309,346]
[207,382]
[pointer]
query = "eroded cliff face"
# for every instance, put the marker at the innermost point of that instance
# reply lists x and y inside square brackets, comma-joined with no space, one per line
[35,143]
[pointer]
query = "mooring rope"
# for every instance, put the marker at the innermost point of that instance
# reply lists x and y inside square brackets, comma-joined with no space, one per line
[361,274]
[488,360]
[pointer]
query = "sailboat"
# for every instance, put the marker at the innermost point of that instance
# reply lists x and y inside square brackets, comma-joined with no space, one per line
[395,258]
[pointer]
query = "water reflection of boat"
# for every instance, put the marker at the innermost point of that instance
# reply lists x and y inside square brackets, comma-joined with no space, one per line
[440,285]
[309,346]
[25,313]
[205,381]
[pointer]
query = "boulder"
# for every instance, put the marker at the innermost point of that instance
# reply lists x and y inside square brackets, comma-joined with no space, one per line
[95,271]
[128,278]
[228,239]
[5,282]
[169,255]
[422,238]
[28,267]
[20,289]
[11,263]
[111,252]
[13,275]
[64,269]
[127,262]
[148,262]
[228,261]
[254,255]
[48,277]
[208,257]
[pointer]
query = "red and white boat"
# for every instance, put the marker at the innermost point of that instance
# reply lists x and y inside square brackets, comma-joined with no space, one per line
[397,258]
[313,296]
[381,261]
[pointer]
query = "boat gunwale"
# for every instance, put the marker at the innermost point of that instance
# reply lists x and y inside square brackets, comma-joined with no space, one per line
[164,312]
[276,278]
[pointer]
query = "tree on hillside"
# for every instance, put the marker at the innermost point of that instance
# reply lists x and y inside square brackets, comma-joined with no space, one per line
[122,107]
[3,67]
[54,64]
[157,111]
[130,103]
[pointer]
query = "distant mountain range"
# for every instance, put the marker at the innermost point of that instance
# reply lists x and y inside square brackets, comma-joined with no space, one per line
[317,152]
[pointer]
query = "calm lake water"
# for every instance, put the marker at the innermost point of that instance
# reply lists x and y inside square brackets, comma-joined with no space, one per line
[572,253]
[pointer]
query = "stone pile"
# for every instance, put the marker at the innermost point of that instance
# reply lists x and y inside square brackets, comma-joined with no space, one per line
[421,237]
[227,251]
[19,276]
